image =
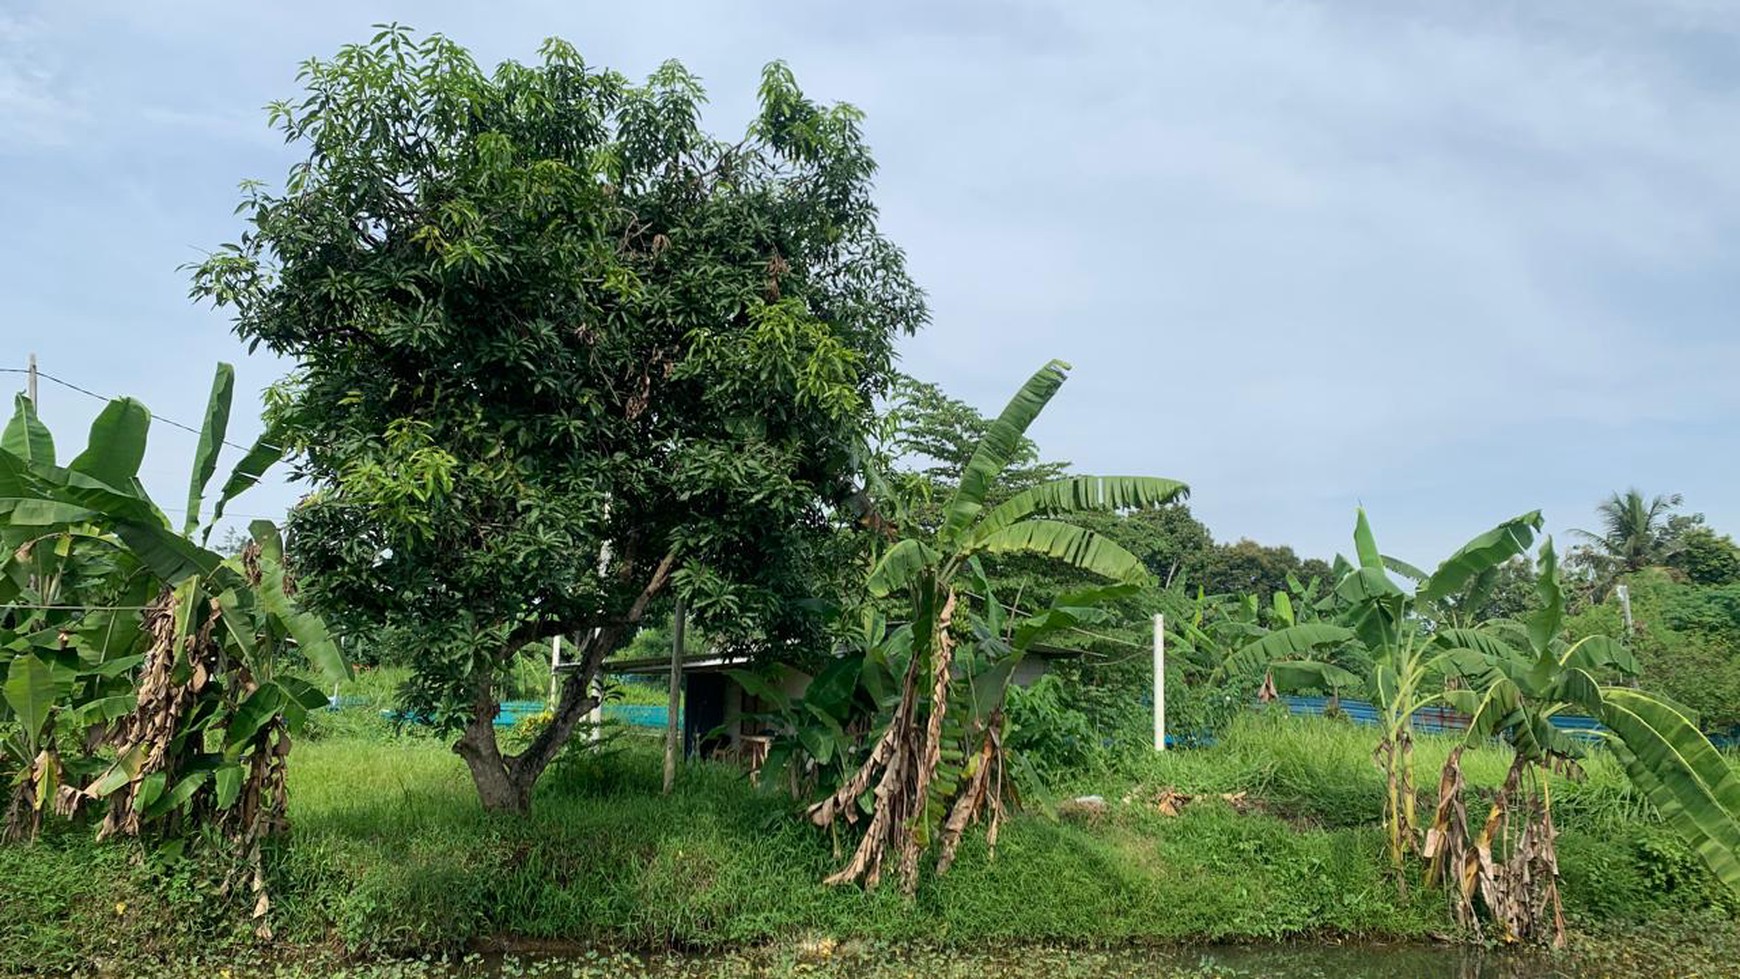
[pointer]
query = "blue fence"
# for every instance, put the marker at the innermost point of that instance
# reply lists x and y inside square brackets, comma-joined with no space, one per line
[514,711]
[1436,719]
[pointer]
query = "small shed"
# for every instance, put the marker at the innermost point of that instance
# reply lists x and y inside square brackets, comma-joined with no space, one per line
[718,713]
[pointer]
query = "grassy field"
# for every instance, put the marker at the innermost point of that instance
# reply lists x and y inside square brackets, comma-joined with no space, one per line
[391,856]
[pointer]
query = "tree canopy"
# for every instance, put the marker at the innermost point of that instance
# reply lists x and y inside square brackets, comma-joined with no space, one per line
[557,351]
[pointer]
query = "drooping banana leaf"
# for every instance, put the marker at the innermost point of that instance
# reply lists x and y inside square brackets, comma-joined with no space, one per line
[1688,780]
[1488,550]
[1403,568]
[1594,653]
[1291,675]
[1075,546]
[901,565]
[32,689]
[1479,640]
[1297,642]
[1079,494]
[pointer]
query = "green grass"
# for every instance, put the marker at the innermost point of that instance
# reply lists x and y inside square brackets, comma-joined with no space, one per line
[390,855]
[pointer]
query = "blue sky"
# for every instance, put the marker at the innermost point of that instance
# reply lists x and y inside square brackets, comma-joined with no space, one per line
[1453,261]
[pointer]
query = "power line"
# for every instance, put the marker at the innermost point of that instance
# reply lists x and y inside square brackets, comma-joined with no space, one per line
[92,394]
[80,608]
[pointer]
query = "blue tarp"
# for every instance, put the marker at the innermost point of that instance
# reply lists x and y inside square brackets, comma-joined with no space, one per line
[514,711]
[1437,719]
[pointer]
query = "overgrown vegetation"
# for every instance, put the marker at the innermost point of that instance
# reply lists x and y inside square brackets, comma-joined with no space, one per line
[144,689]
[391,855]
[562,360]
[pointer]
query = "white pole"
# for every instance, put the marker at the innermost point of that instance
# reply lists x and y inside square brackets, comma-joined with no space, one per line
[1159,682]
[1625,607]
[596,717]
[555,661]
[30,386]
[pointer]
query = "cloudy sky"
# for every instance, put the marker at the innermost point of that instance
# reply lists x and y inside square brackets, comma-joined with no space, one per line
[1453,261]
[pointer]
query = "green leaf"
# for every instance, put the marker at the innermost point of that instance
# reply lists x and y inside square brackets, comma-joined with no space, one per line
[1476,669]
[169,555]
[1365,546]
[266,450]
[1075,546]
[252,716]
[1691,785]
[1309,675]
[1478,640]
[1543,624]
[1282,607]
[183,791]
[990,687]
[1487,551]
[1078,494]
[44,513]
[32,689]
[26,436]
[106,709]
[1596,653]
[118,774]
[1283,644]
[211,441]
[831,691]
[1363,585]
[761,688]
[997,449]
[309,631]
[118,665]
[117,444]
[302,693]
[150,790]
[1404,569]
[901,565]
[229,785]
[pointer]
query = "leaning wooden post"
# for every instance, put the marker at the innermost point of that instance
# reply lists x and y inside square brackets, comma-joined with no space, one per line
[673,725]
[1159,682]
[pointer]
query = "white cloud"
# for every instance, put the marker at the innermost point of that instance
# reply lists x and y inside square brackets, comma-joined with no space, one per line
[1301,254]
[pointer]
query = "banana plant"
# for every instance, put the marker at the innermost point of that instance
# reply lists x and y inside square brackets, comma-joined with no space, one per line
[119,630]
[1526,685]
[1411,662]
[911,784]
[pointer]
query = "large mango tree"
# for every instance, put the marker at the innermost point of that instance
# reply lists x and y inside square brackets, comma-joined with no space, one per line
[144,674]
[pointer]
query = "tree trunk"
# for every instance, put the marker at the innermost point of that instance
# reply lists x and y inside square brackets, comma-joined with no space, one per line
[505,782]
[498,787]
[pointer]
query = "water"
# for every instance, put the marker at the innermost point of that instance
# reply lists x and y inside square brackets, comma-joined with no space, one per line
[1281,961]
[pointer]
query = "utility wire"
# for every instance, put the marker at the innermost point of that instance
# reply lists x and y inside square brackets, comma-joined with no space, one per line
[92,394]
[81,608]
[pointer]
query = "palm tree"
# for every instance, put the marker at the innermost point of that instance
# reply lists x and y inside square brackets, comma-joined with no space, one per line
[1636,533]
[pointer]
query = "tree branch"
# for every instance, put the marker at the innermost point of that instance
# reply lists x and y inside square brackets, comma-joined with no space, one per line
[576,698]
